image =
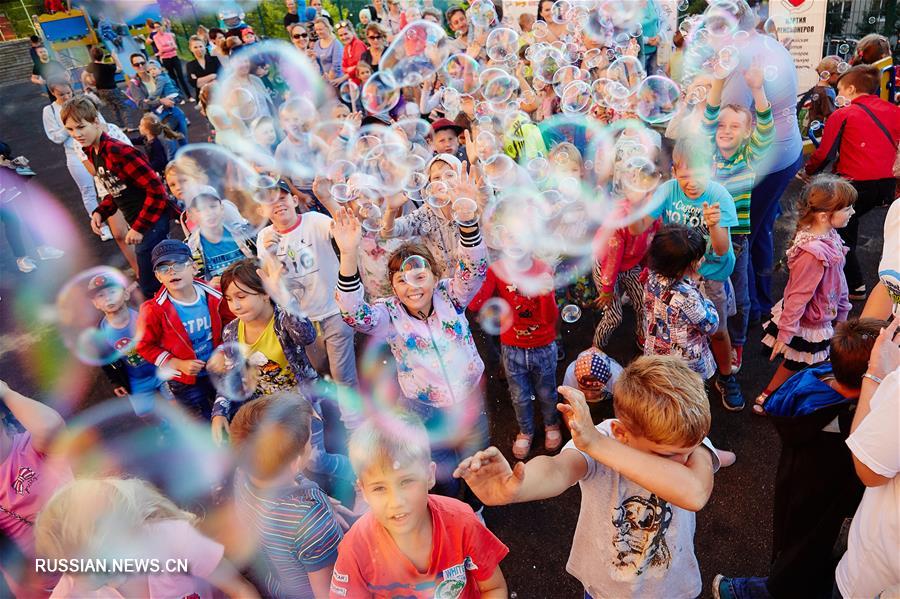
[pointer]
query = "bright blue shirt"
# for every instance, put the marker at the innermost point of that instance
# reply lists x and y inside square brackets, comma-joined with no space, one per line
[218,256]
[676,207]
[197,323]
[141,373]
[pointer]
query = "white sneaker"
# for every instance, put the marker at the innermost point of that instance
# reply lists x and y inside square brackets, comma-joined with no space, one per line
[48,252]
[105,233]
[25,264]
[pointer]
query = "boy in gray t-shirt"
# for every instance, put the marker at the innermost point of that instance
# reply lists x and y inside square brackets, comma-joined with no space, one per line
[642,477]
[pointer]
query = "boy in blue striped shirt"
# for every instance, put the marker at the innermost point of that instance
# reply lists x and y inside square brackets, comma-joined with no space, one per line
[290,518]
[739,145]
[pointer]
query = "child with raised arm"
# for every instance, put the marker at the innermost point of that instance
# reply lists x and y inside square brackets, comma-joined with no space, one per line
[217,241]
[412,543]
[739,145]
[438,367]
[642,475]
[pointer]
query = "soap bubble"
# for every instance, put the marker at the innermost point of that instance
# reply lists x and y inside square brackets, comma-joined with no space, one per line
[576,98]
[560,11]
[495,316]
[627,71]
[815,125]
[481,14]
[570,313]
[728,60]
[233,372]
[461,73]
[465,211]
[416,271]
[497,85]
[349,92]
[79,316]
[546,62]
[380,93]
[501,44]
[824,75]
[843,67]
[872,20]
[844,49]
[841,101]
[657,99]
[416,53]
[437,194]
[770,73]
[370,217]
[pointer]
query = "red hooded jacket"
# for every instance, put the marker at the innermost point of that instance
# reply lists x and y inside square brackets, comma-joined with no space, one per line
[163,337]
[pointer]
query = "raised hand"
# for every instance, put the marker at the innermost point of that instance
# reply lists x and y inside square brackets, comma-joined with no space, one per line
[272,276]
[490,476]
[468,184]
[712,215]
[754,76]
[885,356]
[346,231]
[578,417]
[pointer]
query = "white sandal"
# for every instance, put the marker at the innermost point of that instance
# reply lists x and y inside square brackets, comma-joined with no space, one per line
[552,438]
[521,446]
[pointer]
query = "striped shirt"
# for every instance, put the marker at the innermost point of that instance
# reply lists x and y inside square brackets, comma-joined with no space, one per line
[296,529]
[738,173]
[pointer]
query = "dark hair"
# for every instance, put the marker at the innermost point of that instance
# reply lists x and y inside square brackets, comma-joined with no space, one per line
[452,11]
[270,432]
[864,77]
[215,32]
[138,54]
[34,39]
[96,53]
[540,3]
[405,251]
[851,347]
[242,272]
[674,248]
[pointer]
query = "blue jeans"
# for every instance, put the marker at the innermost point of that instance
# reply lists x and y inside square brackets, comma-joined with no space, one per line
[531,373]
[143,252]
[764,209]
[174,117]
[753,587]
[197,399]
[737,324]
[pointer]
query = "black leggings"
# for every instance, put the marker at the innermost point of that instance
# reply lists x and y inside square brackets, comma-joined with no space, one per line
[173,67]
[871,194]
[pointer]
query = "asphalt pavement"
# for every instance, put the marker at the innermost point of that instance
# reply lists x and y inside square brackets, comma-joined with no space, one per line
[734,530]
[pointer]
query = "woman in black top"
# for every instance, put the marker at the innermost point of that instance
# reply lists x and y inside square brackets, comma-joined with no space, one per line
[104,74]
[376,40]
[203,68]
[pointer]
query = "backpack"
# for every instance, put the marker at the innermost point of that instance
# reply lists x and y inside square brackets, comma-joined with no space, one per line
[896,167]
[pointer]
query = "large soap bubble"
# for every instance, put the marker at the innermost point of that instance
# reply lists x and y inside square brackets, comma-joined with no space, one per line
[417,52]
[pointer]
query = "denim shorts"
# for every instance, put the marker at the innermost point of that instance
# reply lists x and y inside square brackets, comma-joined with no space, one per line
[721,294]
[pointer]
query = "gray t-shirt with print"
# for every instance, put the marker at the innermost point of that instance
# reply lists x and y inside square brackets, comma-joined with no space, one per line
[629,542]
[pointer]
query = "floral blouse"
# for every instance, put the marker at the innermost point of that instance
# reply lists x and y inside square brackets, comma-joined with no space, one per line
[437,362]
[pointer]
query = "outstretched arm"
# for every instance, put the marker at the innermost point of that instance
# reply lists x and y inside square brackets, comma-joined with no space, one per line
[42,421]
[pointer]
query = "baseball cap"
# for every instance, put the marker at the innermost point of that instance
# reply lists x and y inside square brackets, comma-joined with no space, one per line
[441,124]
[593,370]
[102,281]
[170,250]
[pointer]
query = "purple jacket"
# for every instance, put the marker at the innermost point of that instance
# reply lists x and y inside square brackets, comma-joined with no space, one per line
[816,291]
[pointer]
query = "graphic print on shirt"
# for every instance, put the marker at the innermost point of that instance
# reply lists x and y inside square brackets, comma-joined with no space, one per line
[687,215]
[126,347]
[107,182]
[640,539]
[24,479]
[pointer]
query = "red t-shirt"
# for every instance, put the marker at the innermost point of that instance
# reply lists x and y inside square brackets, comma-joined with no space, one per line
[533,316]
[463,552]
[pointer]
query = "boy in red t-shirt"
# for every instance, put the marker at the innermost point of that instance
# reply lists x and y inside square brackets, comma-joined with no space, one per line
[527,344]
[410,543]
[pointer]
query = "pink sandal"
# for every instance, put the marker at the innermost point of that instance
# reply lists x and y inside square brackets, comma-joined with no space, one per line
[552,438]
[521,446]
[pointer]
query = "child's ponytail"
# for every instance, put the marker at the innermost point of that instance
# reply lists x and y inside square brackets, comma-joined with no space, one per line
[156,127]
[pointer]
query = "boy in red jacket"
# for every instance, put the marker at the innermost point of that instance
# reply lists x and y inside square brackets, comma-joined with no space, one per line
[527,347]
[181,326]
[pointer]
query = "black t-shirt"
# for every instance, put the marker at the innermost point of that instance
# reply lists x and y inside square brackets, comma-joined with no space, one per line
[49,70]
[195,71]
[290,19]
[104,74]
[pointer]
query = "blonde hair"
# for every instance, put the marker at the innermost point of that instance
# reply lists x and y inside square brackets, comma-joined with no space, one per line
[824,193]
[373,445]
[90,518]
[661,399]
[691,151]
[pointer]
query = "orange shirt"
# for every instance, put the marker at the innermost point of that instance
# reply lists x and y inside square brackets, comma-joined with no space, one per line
[463,552]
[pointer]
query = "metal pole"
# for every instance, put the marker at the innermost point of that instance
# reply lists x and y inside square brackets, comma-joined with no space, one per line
[30,22]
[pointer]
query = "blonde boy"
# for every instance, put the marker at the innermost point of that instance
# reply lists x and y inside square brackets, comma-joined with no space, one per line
[642,475]
[389,551]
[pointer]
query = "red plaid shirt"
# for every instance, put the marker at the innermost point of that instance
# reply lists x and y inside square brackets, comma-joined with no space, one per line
[130,166]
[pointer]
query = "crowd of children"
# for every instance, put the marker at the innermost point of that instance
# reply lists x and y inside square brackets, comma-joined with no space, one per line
[446,207]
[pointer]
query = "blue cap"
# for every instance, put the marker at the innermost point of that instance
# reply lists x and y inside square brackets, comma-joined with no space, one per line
[170,250]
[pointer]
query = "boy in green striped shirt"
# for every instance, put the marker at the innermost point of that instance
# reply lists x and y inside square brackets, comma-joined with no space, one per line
[739,145]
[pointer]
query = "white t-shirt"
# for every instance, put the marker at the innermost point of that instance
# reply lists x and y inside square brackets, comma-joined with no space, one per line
[889,267]
[307,253]
[629,542]
[872,561]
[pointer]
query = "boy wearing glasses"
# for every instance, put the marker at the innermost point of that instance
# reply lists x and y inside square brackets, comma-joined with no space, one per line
[181,326]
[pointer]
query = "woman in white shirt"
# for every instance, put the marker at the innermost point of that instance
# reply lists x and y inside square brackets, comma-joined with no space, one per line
[55,131]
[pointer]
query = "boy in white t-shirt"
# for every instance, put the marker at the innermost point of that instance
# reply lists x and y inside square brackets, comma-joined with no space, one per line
[303,243]
[642,477]
[871,564]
